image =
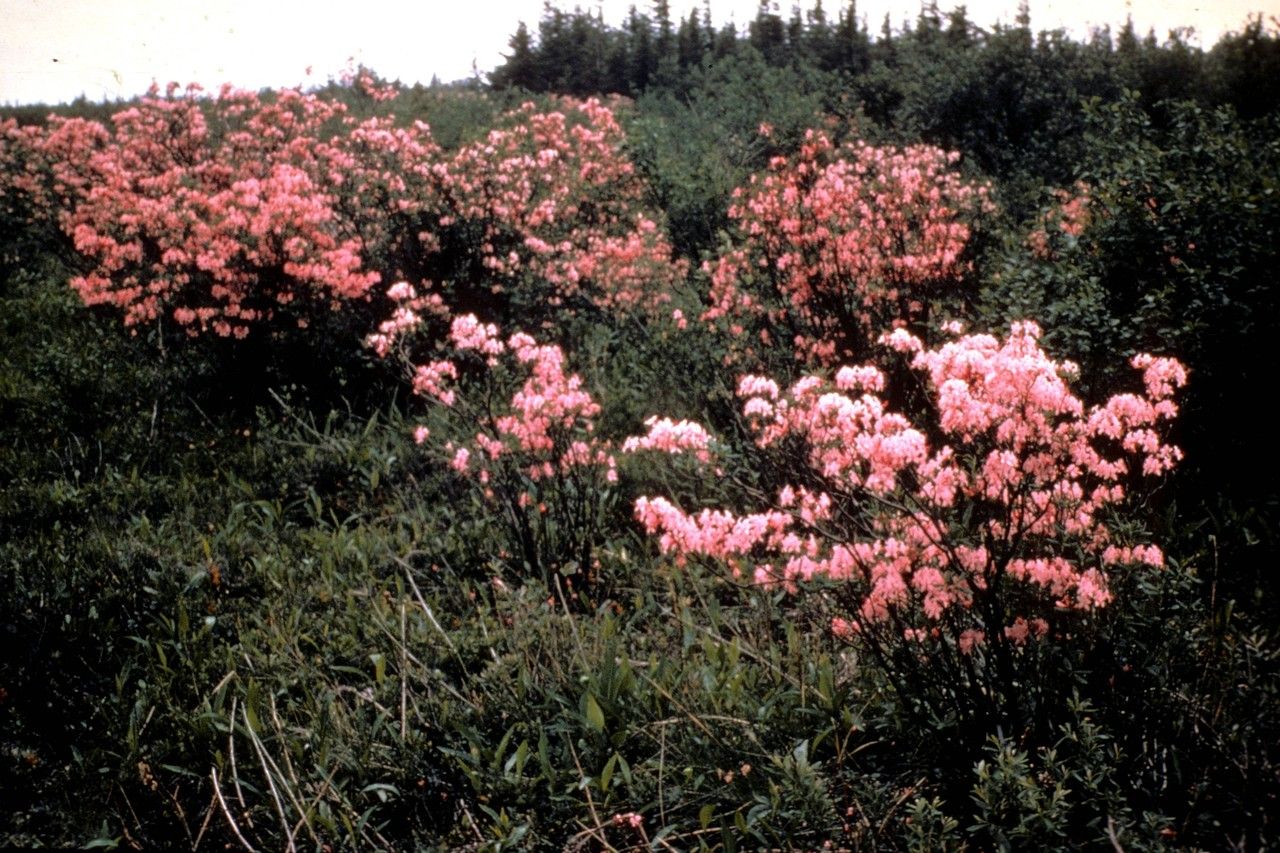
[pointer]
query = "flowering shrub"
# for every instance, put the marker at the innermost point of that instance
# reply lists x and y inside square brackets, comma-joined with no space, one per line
[219,212]
[217,224]
[559,212]
[42,172]
[836,244]
[22,174]
[982,525]
[535,462]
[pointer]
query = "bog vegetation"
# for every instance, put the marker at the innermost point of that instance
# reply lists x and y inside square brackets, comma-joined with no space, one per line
[691,439]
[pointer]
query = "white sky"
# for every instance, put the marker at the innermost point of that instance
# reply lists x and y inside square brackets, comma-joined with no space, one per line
[56,50]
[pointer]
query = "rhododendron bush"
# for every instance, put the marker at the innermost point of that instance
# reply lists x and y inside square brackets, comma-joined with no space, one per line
[559,214]
[43,171]
[524,432]
[239,210]
[839,243]
[217,221]
[987,522]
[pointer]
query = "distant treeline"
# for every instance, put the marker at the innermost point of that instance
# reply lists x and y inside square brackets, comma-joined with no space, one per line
[577,52]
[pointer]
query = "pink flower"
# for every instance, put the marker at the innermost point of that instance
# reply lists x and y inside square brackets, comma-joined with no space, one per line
[1010,477]
[672,437]
[970,639]
[401,291]
[843,629]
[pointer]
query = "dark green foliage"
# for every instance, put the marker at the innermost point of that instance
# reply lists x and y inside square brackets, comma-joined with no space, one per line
[694,148]
[1244,68]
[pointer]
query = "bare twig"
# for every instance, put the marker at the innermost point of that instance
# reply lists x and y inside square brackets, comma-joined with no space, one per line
[902,798]
[662,775]
[275,719]
[226,679]
[290,845]
[404,650]
[182,815]
[573,624]
[231,749]
[1111,835]
[325,785]
[208,816]
[472,821]
[410,657]
[226,812]
[133,842]
[693,718]
[303,812]
[427,609]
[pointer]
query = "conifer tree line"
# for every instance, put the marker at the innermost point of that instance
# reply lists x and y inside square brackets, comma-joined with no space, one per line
[577,52]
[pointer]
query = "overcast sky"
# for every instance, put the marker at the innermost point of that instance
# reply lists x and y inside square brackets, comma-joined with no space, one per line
[56,50]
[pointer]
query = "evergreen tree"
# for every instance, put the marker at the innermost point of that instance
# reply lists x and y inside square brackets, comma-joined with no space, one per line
[795,34]
[852,45]
[588,35]
[726,41]
[819,47]
[959,32]
[767,33]
[886,49]
[691,42]
[644,62]
[928,24]
[664,43]
[520,70]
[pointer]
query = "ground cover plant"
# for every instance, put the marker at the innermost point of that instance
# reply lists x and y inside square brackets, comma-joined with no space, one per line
[762,456]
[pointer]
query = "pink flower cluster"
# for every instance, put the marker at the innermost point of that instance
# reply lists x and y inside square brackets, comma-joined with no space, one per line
[837,243]
[547,429]
[1005,512]
[675,437]
[219,212]
[562,211]
[535,458]
[24,174]
[406,317]
[212,211]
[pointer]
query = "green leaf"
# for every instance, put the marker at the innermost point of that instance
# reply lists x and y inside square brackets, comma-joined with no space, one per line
[102,841]
[517,760]
[250,707]
[606,775]
[544,759]
[595,716]
[502,747]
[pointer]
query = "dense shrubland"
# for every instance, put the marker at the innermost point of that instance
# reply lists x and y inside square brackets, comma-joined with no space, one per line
[783,458]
